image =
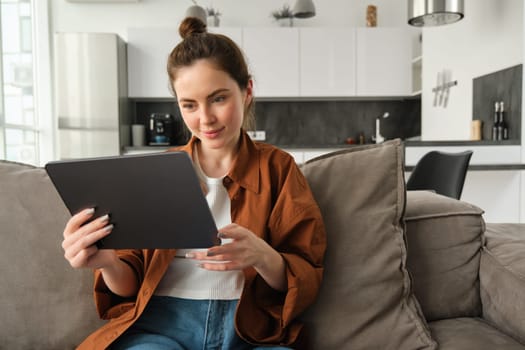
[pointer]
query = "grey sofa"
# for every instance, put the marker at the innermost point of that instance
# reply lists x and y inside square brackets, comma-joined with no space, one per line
[403,270]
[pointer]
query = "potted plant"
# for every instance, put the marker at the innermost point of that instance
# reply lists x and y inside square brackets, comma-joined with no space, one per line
[283,16]
[214,14]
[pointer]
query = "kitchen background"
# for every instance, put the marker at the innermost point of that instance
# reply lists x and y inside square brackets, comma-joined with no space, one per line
[404,77]
[488,39]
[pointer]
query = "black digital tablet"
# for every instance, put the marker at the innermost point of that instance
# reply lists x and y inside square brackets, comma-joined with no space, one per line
[154,201]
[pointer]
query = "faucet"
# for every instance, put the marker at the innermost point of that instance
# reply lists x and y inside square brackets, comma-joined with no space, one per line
[379,138]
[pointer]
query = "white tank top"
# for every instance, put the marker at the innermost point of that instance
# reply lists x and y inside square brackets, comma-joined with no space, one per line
[183,278]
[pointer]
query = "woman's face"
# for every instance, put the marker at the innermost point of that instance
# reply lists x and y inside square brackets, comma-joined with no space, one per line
[211,103]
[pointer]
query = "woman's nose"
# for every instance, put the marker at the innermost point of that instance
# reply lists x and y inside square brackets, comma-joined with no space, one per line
[207,115]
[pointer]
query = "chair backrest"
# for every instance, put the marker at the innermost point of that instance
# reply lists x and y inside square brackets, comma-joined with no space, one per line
[441,172]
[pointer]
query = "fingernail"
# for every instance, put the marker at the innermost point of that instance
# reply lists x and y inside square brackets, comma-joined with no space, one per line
[89,211]
[190,255]
[104,218]
[210,253]
[108,228]
[220,235]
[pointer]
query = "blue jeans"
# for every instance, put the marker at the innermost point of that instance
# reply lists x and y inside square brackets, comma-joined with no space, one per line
[182,324]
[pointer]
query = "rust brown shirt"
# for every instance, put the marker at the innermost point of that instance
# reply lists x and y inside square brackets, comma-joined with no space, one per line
[269,196]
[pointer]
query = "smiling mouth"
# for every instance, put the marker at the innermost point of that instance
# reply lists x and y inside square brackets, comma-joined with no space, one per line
[212,133]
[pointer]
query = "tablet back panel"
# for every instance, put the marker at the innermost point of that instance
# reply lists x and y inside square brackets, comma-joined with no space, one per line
[154,200]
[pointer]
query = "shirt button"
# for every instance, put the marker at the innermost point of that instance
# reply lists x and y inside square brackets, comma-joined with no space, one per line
[226,181]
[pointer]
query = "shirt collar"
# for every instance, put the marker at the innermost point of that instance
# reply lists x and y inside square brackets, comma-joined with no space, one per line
[246,166]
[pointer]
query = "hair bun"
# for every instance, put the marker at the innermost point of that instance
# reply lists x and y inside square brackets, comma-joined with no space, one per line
[191,25]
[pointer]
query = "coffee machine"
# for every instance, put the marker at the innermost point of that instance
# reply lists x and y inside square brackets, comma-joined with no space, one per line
[163,129]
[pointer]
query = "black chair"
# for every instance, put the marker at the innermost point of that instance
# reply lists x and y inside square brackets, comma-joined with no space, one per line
[441,172]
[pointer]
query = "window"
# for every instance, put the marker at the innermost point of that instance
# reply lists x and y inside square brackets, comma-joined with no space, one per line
[21,126]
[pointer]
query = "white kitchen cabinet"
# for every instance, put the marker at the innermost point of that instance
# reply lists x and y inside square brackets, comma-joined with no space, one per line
[327,62]
[233,33]
[297,154]
[302,155]
[273,59]
[290,62]
[148,51]
[384,57]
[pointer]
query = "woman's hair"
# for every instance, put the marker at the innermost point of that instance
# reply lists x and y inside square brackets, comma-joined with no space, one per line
[198,44]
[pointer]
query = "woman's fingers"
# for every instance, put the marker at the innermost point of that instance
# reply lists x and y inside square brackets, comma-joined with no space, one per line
[80,245]
[233,231]
[77,220]
[82,257]
[81,231]
[72,247]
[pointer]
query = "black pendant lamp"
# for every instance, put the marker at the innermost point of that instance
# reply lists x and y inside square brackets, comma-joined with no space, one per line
[427,13]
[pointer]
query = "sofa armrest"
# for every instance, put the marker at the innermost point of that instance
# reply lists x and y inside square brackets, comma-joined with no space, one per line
[502,278]
[444,238]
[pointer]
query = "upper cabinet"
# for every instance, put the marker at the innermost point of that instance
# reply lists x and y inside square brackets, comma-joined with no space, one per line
[148,51]
[327,62]
[291,62]
[384,58]
[273,58]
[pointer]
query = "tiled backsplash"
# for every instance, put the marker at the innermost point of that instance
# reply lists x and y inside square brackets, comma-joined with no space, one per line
[317,123]
[504,85]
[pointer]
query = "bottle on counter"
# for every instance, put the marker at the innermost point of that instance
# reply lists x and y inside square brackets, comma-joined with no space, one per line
[495,125]
[361,138]
[503,129]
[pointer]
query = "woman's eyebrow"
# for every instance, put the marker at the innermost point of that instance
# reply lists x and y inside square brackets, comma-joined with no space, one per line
[216,92]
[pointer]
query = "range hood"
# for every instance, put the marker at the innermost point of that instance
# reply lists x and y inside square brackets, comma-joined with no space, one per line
[426,13]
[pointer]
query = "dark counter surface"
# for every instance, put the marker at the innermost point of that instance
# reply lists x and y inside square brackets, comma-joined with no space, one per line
[485,167]
[412,143]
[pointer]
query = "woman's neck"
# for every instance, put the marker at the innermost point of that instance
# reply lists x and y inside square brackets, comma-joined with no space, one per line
[216,162]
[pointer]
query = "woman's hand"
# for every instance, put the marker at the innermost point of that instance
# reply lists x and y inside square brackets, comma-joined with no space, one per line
[245,250]
[81,252]
[79,241]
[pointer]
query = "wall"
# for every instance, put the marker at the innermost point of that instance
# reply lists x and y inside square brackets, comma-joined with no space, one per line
[117,17]
[489,38]
[522,173]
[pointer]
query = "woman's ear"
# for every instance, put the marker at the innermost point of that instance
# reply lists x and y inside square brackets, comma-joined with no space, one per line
[249,93]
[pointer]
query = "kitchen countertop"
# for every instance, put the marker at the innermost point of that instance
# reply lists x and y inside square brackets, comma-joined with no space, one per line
[412,143]
[408,143]
[485,167]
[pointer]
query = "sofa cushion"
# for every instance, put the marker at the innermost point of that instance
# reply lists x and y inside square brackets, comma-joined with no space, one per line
[44,303]
[444,240]
[502,278]
[471,333]
[365,301]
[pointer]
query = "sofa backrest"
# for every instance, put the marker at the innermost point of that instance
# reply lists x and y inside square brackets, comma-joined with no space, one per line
[444,238]
[44,303]
[366,299]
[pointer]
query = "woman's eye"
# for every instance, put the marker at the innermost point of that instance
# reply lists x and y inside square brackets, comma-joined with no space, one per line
[188,105]
[219,99]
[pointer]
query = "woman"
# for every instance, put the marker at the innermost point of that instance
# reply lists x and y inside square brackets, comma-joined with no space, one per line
[249,290]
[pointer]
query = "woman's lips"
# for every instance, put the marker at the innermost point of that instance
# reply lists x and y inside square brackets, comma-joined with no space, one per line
[212,133]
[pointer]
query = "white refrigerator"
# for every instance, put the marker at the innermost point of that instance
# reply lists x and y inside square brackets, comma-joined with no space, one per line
[91,94]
